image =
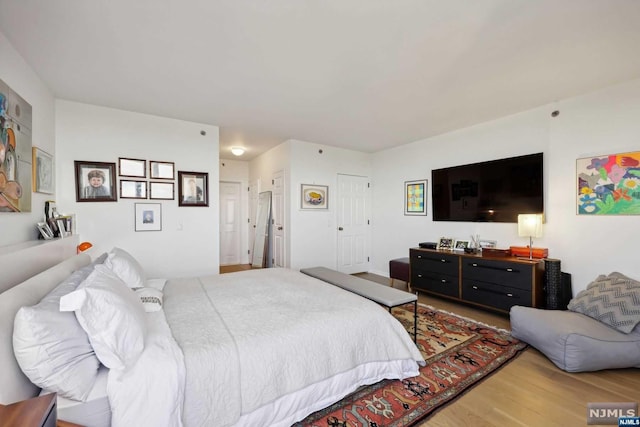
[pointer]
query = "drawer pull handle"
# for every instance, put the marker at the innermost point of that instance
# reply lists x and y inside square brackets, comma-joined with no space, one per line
[474,264]
[420,256]
[443,260]
[420,276]
[443,281]
[475,287]
[509,295]
[510,270]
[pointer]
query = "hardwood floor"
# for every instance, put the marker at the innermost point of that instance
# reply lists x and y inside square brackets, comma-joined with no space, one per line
[530,390]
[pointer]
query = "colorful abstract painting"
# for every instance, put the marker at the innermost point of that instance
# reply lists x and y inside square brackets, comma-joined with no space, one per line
[609,184]
[415,197]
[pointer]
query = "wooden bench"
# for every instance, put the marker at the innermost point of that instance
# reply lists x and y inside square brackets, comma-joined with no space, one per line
[383,295]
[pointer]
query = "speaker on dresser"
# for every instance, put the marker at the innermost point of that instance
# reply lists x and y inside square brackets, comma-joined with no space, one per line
[557,285]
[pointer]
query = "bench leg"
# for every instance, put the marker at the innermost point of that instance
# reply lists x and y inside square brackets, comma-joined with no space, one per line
[415,321]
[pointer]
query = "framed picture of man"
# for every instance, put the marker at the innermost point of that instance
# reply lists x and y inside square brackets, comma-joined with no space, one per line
[193,188]
[95,181]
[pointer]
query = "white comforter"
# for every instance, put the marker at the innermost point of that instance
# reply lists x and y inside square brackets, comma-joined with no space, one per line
[268,347]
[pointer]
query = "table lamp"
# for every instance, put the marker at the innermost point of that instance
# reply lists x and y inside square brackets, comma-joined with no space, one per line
[530,225]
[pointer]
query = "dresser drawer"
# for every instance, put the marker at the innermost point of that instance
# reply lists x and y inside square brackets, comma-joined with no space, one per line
[444,284]
[492,295]
[510,274]
[435,262]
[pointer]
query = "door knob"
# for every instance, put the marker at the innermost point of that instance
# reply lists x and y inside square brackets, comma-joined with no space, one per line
[280,228]
[340,229]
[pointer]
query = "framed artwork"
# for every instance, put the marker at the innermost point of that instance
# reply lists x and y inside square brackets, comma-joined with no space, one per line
[609,184]
[133,189]
[134,168]
[193,188]
[415,197]
[445,243]
[314,196]
[461,245]
[489,244]
[161,170]
[42,170]
[148,216]
[45,231]
[16,154]
[95,181]
[161,190]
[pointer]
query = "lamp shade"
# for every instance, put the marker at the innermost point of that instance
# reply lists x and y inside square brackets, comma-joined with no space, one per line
[530,225]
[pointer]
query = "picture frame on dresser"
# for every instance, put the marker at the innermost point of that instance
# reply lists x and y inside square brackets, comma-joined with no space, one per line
[445,243]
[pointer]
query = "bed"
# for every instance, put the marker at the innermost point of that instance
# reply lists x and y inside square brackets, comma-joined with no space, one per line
[261,347]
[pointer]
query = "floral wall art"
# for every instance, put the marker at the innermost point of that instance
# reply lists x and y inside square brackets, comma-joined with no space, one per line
[609,184]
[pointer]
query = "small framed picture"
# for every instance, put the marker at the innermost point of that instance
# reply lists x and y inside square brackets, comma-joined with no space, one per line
[95,181]
[314,196]
[42,170]
[193,188]
[148,216]
[135,168]
[133,189]
[461,245]
[161,170]
[45,231]
[161,190]
[415,197]
[487,244]
[445,243]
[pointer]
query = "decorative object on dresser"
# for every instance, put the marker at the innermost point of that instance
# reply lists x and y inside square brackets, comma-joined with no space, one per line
[497,283]
[530,225]
[445,243]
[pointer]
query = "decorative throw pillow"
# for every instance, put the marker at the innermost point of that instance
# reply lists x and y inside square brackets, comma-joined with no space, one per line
[150,298]
[126,268]
[112,315]
[51,347]
[613,300]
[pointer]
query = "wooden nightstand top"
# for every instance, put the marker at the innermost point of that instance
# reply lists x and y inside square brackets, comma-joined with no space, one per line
[27,413]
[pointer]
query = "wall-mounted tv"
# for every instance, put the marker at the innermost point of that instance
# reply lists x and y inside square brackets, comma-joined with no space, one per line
[493,191]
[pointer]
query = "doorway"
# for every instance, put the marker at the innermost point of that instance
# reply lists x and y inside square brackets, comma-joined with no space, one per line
[354,211]
[230,229]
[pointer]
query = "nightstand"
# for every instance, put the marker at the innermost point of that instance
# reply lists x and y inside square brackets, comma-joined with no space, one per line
[37,412]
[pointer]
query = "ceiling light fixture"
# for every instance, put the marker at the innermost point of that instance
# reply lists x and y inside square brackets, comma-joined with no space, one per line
[237,151]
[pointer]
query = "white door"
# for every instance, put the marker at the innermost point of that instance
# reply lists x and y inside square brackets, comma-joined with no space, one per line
[278,220]
[353,224]
[230,206]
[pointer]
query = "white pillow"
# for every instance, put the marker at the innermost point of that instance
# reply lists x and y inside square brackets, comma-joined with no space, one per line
[112,315]
[150,298]
[51,347]
[126,268]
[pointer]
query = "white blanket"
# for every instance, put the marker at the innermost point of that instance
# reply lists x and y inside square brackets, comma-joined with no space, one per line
[261,347]
[250,338]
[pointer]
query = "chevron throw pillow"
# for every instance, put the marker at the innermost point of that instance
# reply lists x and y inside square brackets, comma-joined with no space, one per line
[613,300]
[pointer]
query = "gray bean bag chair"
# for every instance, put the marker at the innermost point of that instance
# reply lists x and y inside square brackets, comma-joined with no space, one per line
[601,329]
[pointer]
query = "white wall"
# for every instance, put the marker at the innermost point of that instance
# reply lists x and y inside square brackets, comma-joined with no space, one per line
[238,171]
[20,227]
[93,133]
[605,122]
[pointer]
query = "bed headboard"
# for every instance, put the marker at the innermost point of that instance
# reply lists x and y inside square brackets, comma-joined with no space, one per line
[14,385]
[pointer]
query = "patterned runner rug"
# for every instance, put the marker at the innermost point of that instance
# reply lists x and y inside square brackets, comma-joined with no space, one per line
[459,353]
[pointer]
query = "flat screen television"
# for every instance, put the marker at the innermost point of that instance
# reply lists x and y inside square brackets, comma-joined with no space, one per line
[492,191]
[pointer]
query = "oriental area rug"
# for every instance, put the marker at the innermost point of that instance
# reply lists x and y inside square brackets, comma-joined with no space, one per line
[459,353]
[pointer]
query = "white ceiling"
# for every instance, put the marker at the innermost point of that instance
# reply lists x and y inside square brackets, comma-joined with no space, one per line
[360,74]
